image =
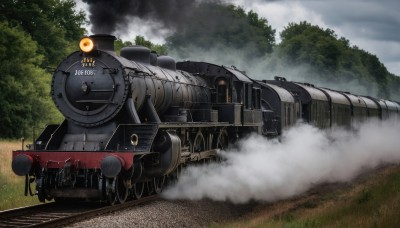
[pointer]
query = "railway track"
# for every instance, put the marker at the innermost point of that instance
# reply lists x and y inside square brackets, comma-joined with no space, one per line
[56,215]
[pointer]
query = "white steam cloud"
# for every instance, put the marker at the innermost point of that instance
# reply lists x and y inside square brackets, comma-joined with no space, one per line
[268,170]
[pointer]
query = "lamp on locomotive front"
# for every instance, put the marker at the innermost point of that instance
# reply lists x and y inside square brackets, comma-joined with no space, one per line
[86,44]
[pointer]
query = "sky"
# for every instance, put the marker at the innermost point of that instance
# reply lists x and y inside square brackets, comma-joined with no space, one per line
[370,25]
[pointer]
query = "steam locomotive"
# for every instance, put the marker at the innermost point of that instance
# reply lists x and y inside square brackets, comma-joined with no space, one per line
[133,120]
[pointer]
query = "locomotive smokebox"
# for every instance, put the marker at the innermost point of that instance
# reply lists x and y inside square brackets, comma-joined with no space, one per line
[88,87]
[103,42]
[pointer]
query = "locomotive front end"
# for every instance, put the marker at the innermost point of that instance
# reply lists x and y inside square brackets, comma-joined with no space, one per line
[72,160]
[89,87]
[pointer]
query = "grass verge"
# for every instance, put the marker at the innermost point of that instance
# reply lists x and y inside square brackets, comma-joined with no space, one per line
[11,185]
[371,202]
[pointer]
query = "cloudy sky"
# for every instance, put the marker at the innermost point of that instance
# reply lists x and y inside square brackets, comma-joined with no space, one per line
[371,25]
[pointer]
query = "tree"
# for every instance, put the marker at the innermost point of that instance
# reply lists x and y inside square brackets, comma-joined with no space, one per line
[332,59]
[119,44]
[34,35]
[215,25]
[377,71]
[395,87]
[306,43]
[53,24]
[160,49]
[24,86]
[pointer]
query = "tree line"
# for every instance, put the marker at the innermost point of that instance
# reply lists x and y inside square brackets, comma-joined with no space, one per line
[35,35]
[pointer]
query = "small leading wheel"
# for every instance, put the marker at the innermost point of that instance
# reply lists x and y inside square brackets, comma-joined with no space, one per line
[138,189]
[121,190]
[110,193]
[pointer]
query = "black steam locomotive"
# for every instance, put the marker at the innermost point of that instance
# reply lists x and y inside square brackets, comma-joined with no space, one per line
[133,120]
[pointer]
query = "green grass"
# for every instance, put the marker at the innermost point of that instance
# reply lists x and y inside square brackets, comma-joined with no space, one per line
[12,195]
[11,185]
[373,203]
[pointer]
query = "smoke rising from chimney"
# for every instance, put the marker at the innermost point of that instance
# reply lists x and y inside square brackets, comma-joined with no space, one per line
[108,16]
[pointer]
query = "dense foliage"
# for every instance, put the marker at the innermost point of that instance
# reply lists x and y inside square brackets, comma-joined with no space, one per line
[53,24]
[213,25]
[24,86]
[332,58]
[34,36]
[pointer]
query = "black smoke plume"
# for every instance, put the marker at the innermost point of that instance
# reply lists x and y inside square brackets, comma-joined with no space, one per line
[109,16]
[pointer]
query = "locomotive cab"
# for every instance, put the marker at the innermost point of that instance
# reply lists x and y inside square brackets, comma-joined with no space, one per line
[235,97]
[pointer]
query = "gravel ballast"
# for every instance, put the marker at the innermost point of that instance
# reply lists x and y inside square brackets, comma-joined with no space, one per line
[163,213]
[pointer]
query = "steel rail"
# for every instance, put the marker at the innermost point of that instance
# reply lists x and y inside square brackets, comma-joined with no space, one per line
[56,215]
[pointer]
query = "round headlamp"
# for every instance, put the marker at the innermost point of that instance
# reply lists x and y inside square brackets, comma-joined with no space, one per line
[86,44]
